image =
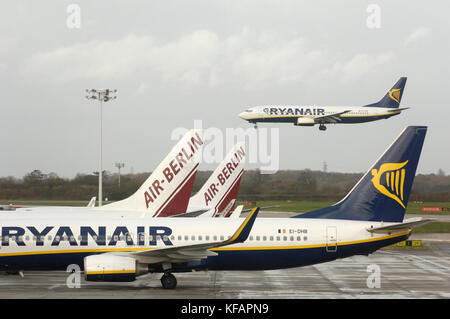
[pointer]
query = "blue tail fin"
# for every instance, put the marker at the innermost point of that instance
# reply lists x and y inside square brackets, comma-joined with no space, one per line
[393,97]
[382,193]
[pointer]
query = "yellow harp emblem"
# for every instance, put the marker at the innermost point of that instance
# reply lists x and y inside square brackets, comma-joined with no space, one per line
[395,95]
[395,180]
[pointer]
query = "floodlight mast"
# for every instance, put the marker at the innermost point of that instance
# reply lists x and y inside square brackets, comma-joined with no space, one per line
[102,95]
[119,166]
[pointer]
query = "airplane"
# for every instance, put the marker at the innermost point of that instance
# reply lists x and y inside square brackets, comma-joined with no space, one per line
[166,192]
[216,198]
[111,245]
[305,115]
[218,194]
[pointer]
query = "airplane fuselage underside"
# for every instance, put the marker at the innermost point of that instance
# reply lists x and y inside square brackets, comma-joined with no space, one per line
[342,120]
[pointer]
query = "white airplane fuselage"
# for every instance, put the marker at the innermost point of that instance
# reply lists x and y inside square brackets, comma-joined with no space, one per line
[53,239]
[310,115]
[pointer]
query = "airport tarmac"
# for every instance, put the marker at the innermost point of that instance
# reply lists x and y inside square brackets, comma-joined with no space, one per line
[403,273]
[422,272]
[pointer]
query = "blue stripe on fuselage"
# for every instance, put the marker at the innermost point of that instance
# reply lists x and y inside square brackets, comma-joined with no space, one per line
[239,259]
[343,120]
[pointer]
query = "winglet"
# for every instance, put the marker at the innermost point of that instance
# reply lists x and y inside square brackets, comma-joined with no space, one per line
[92,202]
[244,230]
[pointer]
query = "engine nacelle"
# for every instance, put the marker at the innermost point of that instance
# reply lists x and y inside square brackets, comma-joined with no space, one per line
[305,121]
[112,268]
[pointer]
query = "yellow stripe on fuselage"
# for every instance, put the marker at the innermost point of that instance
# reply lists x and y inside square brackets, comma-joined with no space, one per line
[311,246]
[321,116]
[212,249]
[111,272]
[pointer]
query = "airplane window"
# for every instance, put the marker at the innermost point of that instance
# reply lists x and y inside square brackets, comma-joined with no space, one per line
[72,238]
[192,237]
[264,238]
[305,238]
[215,237]
[278,238]
[207,237]
[284,238]
[257,238]
[186,237]
[299,238]
[221,238]
[292,238]
[179,237]
[200,237]
[251,237]
[271,238]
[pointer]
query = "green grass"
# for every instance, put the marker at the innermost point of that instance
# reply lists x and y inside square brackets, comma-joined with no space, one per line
[306,206]
[434,227]
[284,206]
[45,202]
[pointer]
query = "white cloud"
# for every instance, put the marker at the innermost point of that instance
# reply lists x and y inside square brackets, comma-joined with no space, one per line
[356,67]
[420,33]
[200,58]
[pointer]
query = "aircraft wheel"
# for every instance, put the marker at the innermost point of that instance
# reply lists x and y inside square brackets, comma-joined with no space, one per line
[168,281]
[322,128]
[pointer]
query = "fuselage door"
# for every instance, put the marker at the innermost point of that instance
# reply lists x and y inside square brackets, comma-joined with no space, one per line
[331,239]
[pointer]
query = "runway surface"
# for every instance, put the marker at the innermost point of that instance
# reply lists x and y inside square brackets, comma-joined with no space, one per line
[403,273]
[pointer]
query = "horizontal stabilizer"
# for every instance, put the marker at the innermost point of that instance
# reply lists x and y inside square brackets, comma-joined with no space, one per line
[407,224]
[400,109]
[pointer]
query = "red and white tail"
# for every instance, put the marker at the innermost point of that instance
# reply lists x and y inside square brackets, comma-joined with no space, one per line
[168,189]
[220,191]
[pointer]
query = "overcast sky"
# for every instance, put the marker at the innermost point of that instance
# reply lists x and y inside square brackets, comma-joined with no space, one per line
[174,62]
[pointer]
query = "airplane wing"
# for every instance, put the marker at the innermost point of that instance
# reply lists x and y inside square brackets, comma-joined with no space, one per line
[192,252]
[407,224]
[330,118]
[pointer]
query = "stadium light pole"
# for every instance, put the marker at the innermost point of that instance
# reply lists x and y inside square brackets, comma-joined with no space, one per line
[119,166]
[102,95]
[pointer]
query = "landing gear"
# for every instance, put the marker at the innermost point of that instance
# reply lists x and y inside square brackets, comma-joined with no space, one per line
[168,281]
[322,127]
[255,126]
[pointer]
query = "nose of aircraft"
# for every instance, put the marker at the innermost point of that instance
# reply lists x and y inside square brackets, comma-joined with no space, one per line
[243,115]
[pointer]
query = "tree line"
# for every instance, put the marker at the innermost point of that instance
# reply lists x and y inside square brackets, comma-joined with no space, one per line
[302,185]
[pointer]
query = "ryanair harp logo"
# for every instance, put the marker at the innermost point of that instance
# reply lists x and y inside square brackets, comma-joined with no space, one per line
[395,95]
[394,178]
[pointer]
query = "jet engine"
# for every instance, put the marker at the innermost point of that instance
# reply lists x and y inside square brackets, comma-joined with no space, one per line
[112,268]
[305,121]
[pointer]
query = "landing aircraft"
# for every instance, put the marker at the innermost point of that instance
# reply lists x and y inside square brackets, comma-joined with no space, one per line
[114,245]
[306,115]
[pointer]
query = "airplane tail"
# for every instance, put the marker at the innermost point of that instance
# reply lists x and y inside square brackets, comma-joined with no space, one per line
[393,97]
[167,190]
[382,193]
[220,191]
